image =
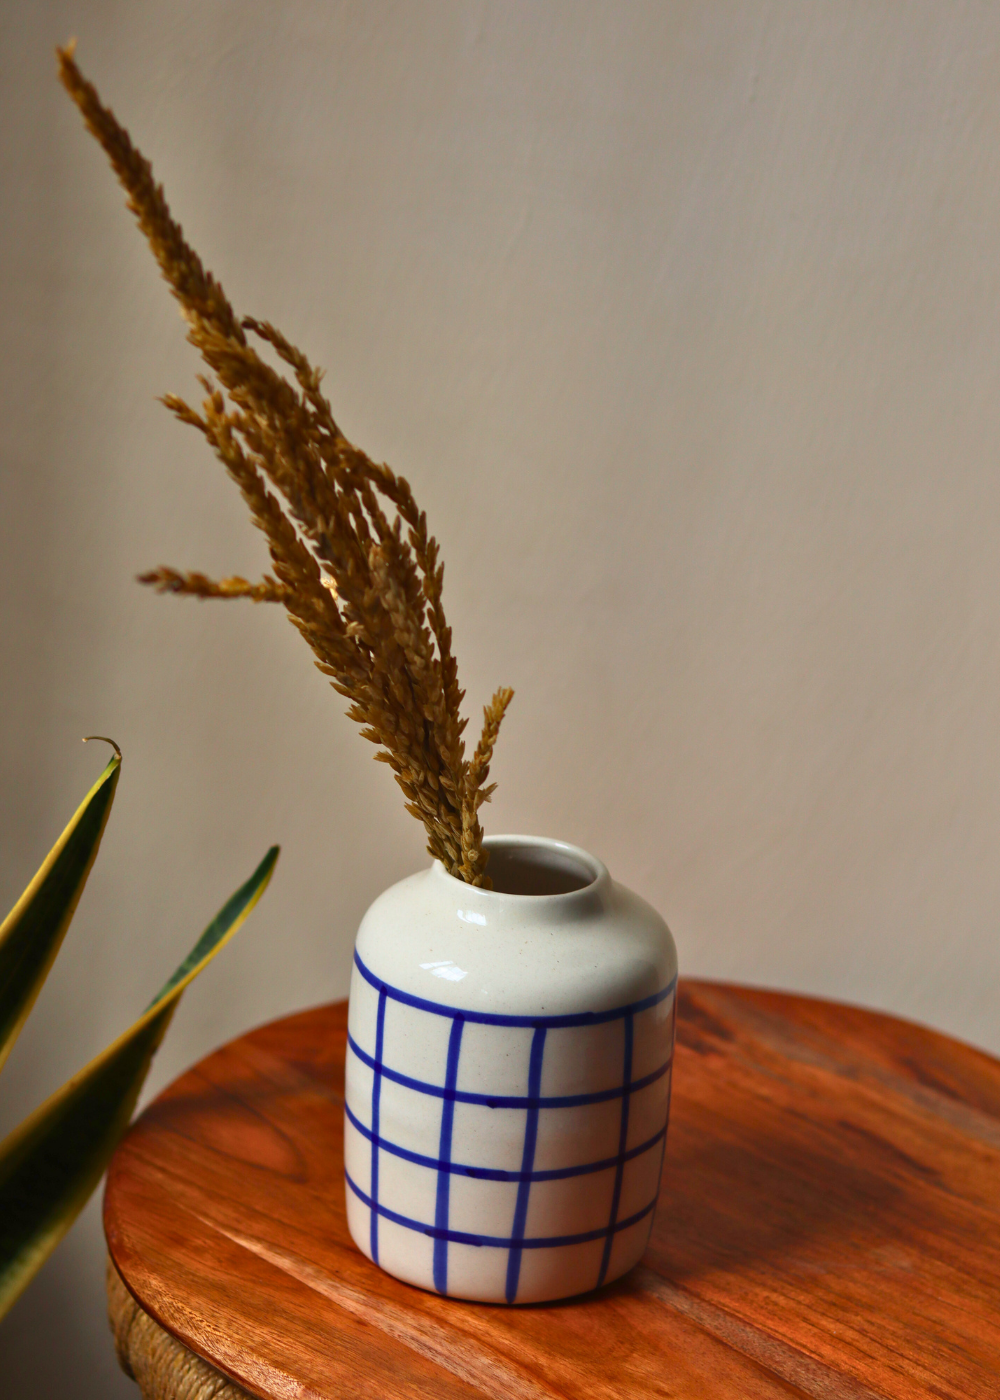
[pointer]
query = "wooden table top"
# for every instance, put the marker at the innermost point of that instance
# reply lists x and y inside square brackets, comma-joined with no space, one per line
[829,1226]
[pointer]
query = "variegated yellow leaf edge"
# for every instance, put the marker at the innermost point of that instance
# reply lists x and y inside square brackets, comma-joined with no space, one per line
[51,1163]
[33,931]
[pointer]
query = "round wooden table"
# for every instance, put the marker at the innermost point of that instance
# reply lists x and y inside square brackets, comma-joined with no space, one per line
[829,1227]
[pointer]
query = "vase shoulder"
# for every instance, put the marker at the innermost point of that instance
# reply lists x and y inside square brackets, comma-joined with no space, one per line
[432,937]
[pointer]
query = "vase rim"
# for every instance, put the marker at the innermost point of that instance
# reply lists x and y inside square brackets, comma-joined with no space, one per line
[536,862]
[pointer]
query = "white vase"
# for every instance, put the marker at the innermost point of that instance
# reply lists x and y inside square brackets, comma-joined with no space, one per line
[508,1076]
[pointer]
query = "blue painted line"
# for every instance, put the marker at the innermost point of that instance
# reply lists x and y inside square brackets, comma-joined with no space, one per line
[507,1100]
[376,1096]
[496,1241]
[492,1173]
[489,1018]
[527,1163]
[616,1195]
[444,1152]
[670,1092]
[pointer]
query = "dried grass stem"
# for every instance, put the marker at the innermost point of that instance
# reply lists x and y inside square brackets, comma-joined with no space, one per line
[364,589]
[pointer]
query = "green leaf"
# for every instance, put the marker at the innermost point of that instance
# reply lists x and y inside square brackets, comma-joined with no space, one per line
[52,1162]
[32,933]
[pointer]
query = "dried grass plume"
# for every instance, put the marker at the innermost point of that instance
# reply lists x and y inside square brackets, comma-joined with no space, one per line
[354,565]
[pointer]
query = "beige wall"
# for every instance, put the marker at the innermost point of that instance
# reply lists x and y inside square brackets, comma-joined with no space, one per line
[684,321]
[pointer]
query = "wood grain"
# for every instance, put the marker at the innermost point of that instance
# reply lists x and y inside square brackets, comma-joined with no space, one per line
[829,1226]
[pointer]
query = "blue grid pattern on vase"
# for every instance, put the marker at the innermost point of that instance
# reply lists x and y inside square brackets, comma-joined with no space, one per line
[533,1102]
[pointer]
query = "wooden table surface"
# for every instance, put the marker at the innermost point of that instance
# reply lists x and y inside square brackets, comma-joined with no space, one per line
[829,1226]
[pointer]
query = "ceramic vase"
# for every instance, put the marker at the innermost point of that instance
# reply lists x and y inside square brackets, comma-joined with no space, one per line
[508,1076]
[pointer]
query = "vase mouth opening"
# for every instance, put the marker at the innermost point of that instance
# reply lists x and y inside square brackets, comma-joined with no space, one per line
[532,867]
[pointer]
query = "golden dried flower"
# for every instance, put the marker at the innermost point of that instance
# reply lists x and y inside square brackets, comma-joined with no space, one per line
[363,589]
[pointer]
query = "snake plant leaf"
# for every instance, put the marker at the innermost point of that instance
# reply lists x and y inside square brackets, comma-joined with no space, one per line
[51,1163]
[32,933]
